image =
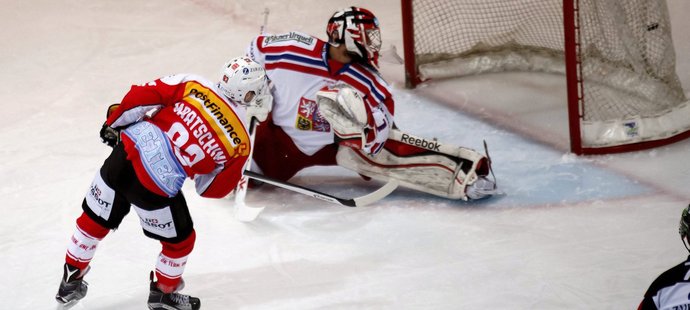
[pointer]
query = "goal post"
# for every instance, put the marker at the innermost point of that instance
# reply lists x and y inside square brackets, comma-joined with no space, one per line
[618,57]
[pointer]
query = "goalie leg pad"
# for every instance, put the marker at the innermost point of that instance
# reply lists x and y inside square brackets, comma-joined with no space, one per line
[419,169]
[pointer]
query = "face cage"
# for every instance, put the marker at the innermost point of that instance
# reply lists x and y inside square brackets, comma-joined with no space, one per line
[373,37]
[369,46]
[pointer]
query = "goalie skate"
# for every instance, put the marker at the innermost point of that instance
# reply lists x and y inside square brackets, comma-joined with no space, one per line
[482,188]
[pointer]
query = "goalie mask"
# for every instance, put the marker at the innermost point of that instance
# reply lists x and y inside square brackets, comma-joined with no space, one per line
[359,30]
[243,81]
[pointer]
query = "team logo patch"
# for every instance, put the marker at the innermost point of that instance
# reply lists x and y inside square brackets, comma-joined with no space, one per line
[309,118]
[100,197]
[158,222]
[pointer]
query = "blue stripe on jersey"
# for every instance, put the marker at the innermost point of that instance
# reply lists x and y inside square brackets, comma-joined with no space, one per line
[321,64]
[368,82]
[293,57]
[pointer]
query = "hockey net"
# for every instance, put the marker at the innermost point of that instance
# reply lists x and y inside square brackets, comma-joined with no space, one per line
[618,56]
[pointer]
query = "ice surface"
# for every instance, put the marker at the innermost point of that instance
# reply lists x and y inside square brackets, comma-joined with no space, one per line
[571,233]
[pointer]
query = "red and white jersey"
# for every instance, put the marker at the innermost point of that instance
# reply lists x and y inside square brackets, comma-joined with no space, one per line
[299,66]
[195,133]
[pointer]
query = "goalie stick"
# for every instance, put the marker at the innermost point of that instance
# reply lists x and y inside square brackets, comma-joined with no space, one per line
[370,198]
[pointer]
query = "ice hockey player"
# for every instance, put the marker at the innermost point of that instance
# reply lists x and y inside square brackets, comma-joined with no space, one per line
[176,127]
[671,289]
[332,107]
[299,66]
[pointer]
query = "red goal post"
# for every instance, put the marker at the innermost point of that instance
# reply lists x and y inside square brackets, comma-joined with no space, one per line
[617,56]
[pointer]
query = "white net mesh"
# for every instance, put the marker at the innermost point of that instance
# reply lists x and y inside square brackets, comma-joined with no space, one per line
[626,54]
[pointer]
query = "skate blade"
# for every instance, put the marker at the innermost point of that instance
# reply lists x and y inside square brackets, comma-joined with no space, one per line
[67,305]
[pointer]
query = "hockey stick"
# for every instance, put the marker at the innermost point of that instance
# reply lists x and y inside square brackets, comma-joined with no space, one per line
[263,26]
[370,198]
[243,212]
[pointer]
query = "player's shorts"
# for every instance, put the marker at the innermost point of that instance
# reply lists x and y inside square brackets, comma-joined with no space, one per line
[116,187]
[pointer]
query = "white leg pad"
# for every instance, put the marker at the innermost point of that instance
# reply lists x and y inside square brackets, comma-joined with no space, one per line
[433,173]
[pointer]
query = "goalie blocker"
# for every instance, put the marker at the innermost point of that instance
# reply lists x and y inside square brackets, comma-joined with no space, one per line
[420,164]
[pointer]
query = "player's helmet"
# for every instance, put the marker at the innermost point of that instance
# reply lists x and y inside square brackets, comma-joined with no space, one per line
[359,30]
[243,80]
[684,226]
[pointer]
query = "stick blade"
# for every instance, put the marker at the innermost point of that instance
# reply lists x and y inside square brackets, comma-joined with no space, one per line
[245,213]
[379,194]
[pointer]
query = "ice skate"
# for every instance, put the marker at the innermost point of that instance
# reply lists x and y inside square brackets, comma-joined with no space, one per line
[158,300]
[482,188]
[72,287]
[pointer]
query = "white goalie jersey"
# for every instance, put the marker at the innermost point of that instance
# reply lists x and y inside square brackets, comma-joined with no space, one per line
[299,66]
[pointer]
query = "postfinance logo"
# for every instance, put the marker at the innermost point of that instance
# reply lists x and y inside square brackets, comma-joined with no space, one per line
[222,119]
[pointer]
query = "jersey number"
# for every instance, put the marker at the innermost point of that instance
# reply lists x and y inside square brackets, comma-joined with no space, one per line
[179,136]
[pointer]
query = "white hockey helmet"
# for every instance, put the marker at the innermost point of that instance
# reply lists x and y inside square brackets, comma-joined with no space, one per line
[243,80]
[359,30]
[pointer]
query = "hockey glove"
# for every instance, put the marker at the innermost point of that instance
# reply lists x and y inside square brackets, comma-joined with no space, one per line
[344,110]
[350,119]
[260,108]
[109,136]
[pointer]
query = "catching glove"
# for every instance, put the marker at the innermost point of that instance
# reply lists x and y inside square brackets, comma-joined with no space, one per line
[344,110]
[351,121]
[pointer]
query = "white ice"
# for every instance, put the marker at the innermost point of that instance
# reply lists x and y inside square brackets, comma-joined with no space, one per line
[571,233]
